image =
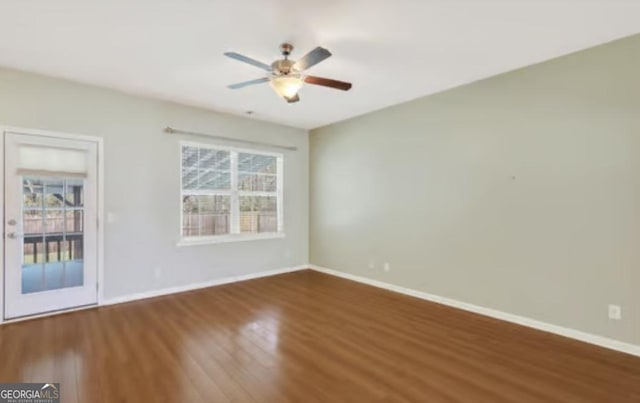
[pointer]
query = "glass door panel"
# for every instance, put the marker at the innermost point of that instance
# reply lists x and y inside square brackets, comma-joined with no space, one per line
[53,233]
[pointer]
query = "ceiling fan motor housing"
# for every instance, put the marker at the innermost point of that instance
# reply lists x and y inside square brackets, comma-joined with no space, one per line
[283,67]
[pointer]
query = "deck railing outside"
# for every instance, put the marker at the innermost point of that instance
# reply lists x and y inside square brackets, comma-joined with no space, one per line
[53,239]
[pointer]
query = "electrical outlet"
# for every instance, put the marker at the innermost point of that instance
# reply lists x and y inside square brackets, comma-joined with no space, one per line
[387,267]
[372,264]
[615,312]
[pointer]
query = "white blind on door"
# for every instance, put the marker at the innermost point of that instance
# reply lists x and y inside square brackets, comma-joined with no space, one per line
[35,160]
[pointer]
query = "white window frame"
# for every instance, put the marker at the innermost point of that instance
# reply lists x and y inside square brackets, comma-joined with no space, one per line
[235,235]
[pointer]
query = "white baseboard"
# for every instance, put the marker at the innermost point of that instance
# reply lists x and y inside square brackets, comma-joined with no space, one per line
[509,317]
[196,286]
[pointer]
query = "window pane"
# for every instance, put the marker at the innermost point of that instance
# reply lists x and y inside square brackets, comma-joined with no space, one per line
[190,216]
[269,183]
[214,214]
[257,182]
[214,180]
[258,214]
[206,215]
[189,178]
[193,179]
[244,162]
[205,169]
[214,159]
[267,209]
[257,172]
[189,157]
[256,163]
[245,181]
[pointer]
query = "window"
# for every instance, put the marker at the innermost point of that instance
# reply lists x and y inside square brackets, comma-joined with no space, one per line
[230,194]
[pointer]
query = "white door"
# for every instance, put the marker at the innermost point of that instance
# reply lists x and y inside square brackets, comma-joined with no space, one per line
[50,243]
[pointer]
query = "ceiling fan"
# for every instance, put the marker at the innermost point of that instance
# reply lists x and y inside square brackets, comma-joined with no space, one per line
[287,76]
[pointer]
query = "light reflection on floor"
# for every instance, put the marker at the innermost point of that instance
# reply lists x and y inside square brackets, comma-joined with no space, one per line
[268,328]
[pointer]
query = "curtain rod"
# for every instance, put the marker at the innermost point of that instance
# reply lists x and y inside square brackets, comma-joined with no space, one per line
[213,136]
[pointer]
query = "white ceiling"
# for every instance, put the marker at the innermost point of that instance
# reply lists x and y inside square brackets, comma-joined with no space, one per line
[392,50]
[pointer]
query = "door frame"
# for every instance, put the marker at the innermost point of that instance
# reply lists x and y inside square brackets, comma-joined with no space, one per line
[100,211]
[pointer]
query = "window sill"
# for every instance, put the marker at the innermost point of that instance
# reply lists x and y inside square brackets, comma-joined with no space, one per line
[229,238]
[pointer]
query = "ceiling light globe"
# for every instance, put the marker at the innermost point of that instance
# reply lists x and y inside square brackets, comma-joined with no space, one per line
[286,86]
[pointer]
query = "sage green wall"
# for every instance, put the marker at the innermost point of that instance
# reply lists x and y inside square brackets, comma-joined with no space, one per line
[519,193]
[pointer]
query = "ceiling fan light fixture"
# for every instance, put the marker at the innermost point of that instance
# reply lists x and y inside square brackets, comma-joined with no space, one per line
[287,86]
[287,76]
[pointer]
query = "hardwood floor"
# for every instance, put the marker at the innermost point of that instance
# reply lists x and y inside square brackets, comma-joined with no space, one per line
[306,337]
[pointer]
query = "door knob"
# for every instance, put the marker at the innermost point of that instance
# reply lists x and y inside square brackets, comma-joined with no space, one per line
[11,222]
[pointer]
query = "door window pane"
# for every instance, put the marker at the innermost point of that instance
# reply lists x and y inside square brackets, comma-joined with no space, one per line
[53,229]
[32,223]
[74,196]
[53,193]
[54,221]
[32,192]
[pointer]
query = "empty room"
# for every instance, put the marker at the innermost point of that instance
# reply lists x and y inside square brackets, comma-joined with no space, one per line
[320,201]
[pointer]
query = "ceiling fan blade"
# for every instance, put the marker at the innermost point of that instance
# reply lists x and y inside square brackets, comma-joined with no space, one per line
[247,83]
[312,58]
[248,60]
[327,82]
[292,99]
